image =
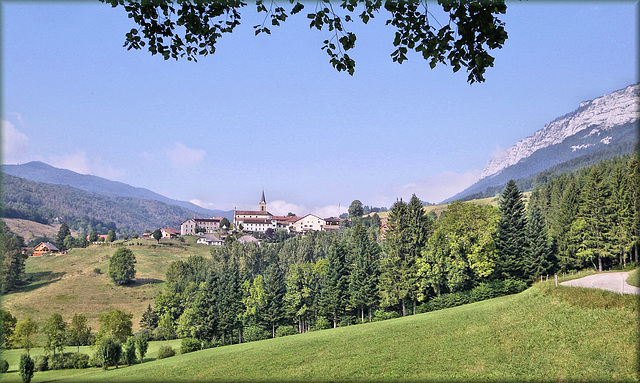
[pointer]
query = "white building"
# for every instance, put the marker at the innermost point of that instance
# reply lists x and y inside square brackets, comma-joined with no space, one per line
[309,222]
[210,239]
[210,225]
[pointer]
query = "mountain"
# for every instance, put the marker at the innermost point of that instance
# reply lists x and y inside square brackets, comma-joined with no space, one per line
[606,125]
[41,172]
[86,211]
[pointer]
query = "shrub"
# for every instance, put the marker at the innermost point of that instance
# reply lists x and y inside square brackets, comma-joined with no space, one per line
[80,361]
[41,362]
[107,353]
[129,351]
[380,314]
[4,366]
[253,333]
[27,368]
[165,352]
[142,345]
[58,362]
[97,270]
[189,345]
[323,323]
[285,330]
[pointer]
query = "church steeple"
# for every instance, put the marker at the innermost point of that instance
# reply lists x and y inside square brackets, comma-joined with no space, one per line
[263,203]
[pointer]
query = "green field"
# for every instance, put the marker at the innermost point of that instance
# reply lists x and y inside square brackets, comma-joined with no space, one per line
[67,283]
[545,333]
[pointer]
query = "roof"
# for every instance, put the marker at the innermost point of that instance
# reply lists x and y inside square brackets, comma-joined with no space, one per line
[247,239]
[211,237]
[171,231]
[49,246]
[333,219]
[255,220]
[251,212]
[263,200]
[285,218]
[312,215]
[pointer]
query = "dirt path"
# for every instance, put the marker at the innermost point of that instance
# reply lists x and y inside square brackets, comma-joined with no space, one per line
[616,282]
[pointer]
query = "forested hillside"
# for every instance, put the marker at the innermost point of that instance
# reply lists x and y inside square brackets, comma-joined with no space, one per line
[85,211]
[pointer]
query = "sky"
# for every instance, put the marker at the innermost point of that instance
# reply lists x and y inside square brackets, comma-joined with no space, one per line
[269,112]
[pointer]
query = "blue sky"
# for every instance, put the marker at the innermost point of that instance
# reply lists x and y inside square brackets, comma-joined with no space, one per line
[269,112]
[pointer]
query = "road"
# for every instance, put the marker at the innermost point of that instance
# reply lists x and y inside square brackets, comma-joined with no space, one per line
[616,282]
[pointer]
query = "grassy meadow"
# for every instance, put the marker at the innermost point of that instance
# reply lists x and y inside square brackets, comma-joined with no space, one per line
[634,277]
[545,333]
[68,284]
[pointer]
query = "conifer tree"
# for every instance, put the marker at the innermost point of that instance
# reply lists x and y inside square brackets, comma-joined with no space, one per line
[63,232]
[566,238]
[595,215]
[419,227]
[540,259]
[511,235]
[394,270]
[363,278]
[275,289]
[337,282]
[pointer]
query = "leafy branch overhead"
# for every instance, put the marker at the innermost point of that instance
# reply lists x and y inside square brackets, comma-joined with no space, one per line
[187,28]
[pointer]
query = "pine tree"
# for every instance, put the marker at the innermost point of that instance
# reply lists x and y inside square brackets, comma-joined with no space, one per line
[566,239]
[419,227]
[337,282]
[12,259]
[511,235]
[275,289]
[394,268]
[363,278]
[596,218]
[540,258]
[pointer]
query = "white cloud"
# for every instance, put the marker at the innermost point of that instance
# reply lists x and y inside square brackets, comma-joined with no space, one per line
[182,155]
[203,204]
[15,144]
[80,163]
[439,186]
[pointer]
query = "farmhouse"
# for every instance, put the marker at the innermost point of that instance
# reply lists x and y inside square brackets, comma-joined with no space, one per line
[169,233]
[44,248]
[210,240]
[309,222]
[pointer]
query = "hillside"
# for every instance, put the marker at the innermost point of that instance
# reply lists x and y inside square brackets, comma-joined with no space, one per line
[42,202]
[41,172]
[542,334]
[30,229]
[68,283]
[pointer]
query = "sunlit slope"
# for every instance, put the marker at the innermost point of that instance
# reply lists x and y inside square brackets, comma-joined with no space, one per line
[529,336]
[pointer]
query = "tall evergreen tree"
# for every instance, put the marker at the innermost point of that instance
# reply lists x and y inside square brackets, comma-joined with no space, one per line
[394,268]
[564,235]
[595,216]
[364,254]
[275,290]
[540,259]
[337,281]
[12,259]
[511,236]
[633,171]
[419,227]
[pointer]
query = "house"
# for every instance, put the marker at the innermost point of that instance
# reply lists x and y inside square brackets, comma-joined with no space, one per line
[103,236]
[248,239]
[309,222]
[44,248]
[210,240]
[193,225]
[169,233]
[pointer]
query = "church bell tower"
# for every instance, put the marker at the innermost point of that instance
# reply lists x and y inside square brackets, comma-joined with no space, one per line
[263,203]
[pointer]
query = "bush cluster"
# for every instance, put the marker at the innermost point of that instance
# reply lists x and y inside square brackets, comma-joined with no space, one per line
[479,293]
[61,361]
[189,345]
[252,333]
[165,352]
[285,330]
[4,366]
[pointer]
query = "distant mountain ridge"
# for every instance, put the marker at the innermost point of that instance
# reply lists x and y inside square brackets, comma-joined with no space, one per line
[607,124]
[599,116]
[41,172]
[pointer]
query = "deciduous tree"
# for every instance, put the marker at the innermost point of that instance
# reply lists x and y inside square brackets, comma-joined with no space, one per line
[55,331]
[79,332]
[25,334]
[115,324]
[193,29]
[122,266]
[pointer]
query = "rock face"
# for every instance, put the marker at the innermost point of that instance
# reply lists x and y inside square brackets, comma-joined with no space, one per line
[594,117]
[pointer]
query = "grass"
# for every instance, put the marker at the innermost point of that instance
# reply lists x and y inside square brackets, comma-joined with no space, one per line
[545,333]
[634,277]
[67,283]
[30,229]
